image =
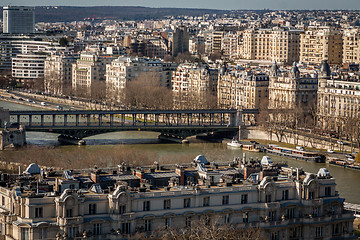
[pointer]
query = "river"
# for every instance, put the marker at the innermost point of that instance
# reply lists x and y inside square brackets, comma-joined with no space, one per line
[346,179]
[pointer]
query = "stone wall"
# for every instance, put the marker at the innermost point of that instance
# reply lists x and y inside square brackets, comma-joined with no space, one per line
[12,138]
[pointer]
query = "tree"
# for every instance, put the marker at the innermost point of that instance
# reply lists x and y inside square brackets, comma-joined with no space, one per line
[63,42]
[146,92]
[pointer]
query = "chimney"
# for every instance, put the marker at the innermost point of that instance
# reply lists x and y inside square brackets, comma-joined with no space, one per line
[95,176]
[139,174]
[180,171]
[297,174]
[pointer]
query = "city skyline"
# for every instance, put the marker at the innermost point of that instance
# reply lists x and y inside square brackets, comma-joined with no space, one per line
[212,4]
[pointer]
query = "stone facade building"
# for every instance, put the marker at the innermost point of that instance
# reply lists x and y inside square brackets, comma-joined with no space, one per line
[278,44]
[338,98]
[282,203]
[289,89]
[193,84]
[58,73]
[88,74]
[243,89]
[351,46]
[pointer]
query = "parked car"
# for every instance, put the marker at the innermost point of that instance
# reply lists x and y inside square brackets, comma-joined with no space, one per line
[21,99]
[349,156]
[300,148]
[59,107]
[43,103]
[330,151]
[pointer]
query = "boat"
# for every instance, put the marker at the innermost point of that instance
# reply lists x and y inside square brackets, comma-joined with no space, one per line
[250,147]
[234,143]
[295,153]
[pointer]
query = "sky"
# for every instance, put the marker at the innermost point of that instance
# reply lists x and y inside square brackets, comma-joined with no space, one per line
[212,4]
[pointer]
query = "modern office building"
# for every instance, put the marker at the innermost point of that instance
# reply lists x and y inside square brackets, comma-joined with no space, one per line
[18,19]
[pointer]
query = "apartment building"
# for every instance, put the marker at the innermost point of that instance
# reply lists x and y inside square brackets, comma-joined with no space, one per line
[58,73]
[180,40]
[351,46]
[283,203]
[243,89]
[28,69]
[338,98]
[278,44]
[319,44]
[230,45]
[290,88]
[124,69]
[88,74]
[193,84]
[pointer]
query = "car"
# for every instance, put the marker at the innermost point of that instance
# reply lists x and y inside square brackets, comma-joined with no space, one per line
[43,103]
[300,148]
[59,107]
[28,100]
[21,99]
[11,97]
[2,97]
[349,156]
[34,102]
[340,142]
[330,151]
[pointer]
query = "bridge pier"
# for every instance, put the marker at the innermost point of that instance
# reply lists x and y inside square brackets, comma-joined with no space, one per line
[70,140]
[111,120]
[65,120]
[42,120]
[53,119]
[30,120]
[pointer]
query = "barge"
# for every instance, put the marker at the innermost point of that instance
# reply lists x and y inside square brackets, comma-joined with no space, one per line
[295,153]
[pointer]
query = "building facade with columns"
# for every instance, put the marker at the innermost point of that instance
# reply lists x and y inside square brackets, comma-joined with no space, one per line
[281,202]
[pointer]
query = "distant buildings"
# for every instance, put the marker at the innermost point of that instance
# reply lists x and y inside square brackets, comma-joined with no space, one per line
[28,69]
[180,41]
[277,44]
[194,86]
[18,19]
[319,44]
[88,75]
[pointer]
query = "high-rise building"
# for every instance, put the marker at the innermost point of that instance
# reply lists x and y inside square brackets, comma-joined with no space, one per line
[319,44]
[18,19]
[180,41]
[277,44]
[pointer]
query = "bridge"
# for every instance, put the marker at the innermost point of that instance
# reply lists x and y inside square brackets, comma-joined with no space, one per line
[171,124]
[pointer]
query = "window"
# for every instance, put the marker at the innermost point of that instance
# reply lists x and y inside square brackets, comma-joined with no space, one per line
[188,221]
[147,225]
[207,220]
[167,204]
[38,212]
[285,195]
[122,209]
[290,213]
[92,209]
[335,229]
[274,235]
[3,201]
[72,232]
[227,218]
[311,195]
[146,206]
[25,234]
[318,232]
[69,212]
[125,228]
[245,217]
[42,233]
[272,215]
[167,222]
[268,198]
[206,202]
[225,200]
[316,212]
[244,199]
[186,202]
[97,229]
[327,191]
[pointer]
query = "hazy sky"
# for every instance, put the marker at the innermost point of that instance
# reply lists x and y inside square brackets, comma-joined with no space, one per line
[215,4]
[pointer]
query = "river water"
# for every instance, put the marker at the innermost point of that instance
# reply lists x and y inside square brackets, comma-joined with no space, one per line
[346,179]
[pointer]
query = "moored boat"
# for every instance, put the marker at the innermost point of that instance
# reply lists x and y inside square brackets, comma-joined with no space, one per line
[234,143]
[295,153]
